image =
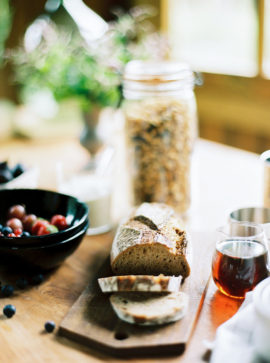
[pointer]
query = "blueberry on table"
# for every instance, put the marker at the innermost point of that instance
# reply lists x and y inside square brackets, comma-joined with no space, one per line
[49,326]
[21,283]
[7,290]
[25,234]
[37,279]
[6,231]
[3,165]
[5,176]
[18,170]
[9,310]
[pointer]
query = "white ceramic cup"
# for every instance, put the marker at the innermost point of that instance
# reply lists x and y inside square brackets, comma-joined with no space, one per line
[96,192]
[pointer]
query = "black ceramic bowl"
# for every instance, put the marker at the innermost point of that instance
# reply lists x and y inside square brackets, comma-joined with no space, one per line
[42,257]
[44,204]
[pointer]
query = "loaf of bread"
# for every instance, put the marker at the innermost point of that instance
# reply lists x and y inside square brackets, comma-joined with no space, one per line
[151,241]
[150,283]
[149,308]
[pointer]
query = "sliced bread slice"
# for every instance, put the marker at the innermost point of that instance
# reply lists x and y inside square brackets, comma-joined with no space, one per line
[150,283]
[149,308]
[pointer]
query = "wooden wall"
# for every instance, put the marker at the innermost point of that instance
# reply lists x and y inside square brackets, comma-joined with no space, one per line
[235,111]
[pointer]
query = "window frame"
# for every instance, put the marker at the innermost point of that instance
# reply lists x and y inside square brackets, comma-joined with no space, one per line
[234,109]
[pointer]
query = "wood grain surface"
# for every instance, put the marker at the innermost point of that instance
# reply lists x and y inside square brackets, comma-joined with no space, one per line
[92,321]
[23,338]
[223,179]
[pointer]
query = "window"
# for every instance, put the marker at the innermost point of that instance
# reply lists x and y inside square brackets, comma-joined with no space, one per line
[215,35]
[229,41]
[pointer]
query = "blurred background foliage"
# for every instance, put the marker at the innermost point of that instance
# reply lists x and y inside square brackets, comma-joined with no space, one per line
[5,25]
[62,61]
[229,42]
[60,51]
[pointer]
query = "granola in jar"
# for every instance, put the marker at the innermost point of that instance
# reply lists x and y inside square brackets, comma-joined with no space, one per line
[160,132]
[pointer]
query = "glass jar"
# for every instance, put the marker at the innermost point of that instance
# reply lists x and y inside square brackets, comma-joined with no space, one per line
[161,127]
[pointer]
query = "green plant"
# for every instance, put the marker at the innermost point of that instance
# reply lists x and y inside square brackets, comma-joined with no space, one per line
[5,25]
[64,64]
[65,67]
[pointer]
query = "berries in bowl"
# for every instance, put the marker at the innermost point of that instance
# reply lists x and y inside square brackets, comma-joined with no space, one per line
[39,226]
[21,224]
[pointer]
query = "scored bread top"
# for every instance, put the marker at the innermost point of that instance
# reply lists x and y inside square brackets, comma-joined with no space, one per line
[159,227]
[154,215]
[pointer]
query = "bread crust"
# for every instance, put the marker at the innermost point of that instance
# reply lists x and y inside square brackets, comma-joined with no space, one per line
[160,227]
[142,283]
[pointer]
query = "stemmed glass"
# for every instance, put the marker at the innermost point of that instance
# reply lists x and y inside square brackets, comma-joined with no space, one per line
[240,259]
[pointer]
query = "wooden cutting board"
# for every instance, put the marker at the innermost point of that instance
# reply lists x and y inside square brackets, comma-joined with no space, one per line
[92,321]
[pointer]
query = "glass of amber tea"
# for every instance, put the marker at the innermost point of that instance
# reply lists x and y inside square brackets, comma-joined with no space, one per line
[240,259]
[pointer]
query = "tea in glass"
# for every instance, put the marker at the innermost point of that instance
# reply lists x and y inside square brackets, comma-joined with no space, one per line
[240,260]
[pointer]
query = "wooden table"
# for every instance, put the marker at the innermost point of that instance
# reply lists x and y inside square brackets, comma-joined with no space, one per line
[223,179]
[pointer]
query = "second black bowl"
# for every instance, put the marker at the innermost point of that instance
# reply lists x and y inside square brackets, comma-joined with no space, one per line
[40,257]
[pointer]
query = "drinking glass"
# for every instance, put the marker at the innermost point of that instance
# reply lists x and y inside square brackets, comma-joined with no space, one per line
[240,259]
[259,215]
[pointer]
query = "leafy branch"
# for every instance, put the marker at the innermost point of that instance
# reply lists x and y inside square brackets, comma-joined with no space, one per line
[5,25]
[68,67]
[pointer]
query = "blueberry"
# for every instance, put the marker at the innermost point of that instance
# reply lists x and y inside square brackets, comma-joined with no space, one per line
[5,176]
[7,290]
[3,165]
[21,283]
[37,279]
[49,326]
[6,231]
[9,310]
[25,234]
[17,170]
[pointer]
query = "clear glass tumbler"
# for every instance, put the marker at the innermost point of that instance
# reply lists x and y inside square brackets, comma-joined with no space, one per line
[240,259]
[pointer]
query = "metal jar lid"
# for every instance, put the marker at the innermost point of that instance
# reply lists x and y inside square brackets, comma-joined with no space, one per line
[162,76]
[162,71]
